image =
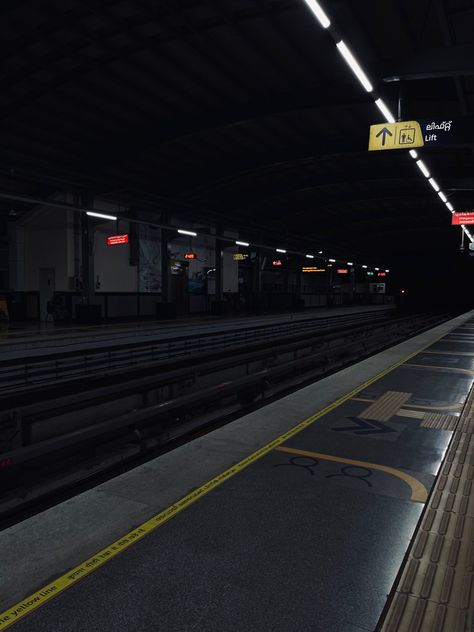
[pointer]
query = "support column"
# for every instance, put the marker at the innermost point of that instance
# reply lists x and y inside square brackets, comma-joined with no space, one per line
[87,230]
[165,282]
[219,271]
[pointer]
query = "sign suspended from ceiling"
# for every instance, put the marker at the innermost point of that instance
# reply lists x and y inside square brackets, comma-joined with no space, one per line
[421,133]
[114,240]
[462,218]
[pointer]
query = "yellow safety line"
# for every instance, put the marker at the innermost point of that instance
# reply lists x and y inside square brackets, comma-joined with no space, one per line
[420,406]
[54,588]
[439,368]
[419,492]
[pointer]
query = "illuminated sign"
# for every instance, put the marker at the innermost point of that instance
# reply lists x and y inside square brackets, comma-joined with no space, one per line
[239,256]
[312,269]
[114,240]
[381,274]
[190,255]
[402,135]
[343,271]
[462,218]
[276,262]
[370,274]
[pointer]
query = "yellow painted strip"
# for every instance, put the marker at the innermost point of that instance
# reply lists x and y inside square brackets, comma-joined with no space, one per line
[453,369]
[54,588]
[419,492]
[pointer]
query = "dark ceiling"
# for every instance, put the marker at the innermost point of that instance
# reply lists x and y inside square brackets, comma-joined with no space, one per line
[238,110]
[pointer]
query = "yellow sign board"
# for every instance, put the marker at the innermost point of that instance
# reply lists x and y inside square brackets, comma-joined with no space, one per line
[403,135]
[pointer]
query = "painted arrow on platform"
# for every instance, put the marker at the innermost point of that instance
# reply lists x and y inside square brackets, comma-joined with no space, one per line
[365,427]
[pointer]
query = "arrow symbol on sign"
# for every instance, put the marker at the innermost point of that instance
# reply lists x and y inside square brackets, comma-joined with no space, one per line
[384,132]
[365,427]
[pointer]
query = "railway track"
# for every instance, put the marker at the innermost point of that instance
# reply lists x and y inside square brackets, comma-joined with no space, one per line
[56,436]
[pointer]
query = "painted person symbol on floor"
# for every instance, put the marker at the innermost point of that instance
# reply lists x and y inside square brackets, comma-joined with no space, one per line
[345,472]
[293,461]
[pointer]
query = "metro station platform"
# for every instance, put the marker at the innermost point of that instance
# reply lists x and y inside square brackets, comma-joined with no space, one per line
[297,516]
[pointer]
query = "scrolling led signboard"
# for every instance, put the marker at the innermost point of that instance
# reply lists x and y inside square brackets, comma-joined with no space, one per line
[114,240]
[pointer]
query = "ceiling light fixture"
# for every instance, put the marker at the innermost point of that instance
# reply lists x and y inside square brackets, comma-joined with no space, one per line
[319,12]
[186,232]
[281,250]
[101,215]
[422,167]
[442,196]
[434,184]
[354,65]
[242,243]
[385,111]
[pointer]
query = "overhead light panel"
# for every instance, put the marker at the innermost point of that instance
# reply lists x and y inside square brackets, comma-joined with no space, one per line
[377,269]
[320,252]
[309,256]
[385,111]
[354,65]
[450,207]
[442,196]
[332,260]
[434,184]
[422,167]
[242,243]
[319,12]
[349,263]
[413,154]
[281,250]
[101,215]
[365,267]
[387,270]
[187,232]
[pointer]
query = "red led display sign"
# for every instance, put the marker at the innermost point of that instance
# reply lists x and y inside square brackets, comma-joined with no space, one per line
[190,255]
[114,240]
[343,271]
[276,262]
[381,274]
[462,218]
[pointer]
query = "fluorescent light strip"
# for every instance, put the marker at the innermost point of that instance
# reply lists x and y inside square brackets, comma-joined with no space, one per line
[450,207]
[365,267]
[186,232]
[319,12]
[387,270]
[413,154]
[281,250]
[354,65]
[422,167]
[434,184]
[320,252]
[385,111]
[309,256]
[242,243]
[332,260]
[101,215]
[377,269]
[349,263]
[442,196]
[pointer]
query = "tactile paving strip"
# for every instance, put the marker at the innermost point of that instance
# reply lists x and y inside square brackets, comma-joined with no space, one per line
[386,406]
[438,421]
[435,592]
